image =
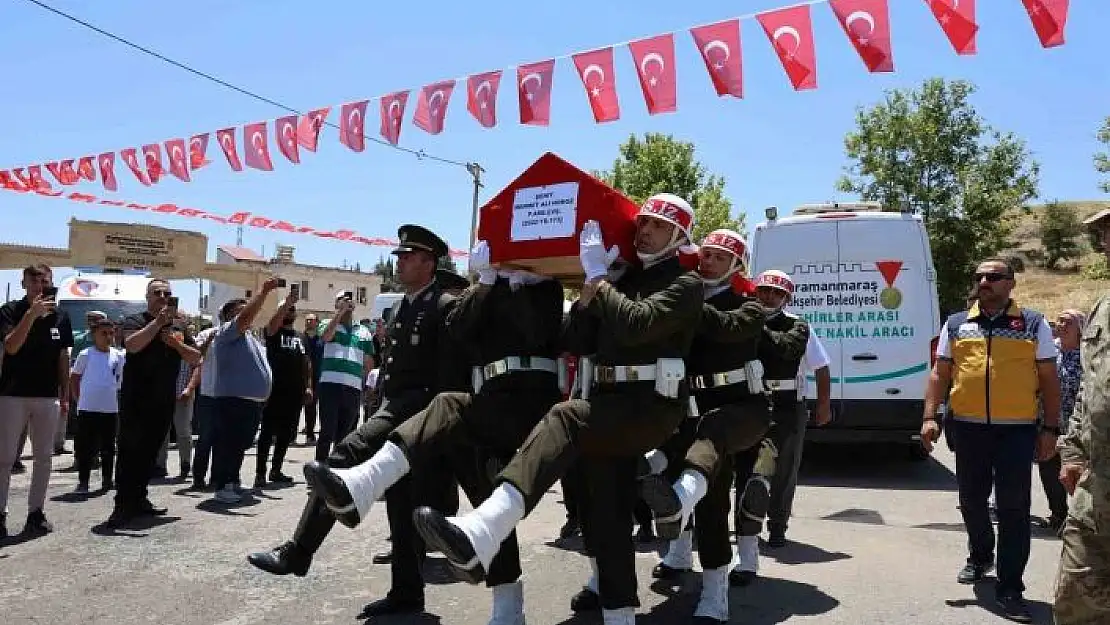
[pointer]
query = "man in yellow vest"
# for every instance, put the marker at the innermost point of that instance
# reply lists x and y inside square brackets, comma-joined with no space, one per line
[997,357]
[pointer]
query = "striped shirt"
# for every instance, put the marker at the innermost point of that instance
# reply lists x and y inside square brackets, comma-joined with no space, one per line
[344,355]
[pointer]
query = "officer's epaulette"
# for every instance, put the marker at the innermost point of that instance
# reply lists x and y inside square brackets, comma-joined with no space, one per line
[790,314]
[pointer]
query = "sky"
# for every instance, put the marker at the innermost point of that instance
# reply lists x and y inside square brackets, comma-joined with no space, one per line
[72,92]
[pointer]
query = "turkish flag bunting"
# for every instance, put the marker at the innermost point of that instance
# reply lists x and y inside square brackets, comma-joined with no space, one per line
[107,162]
[85,168]
[59,173]
[257,153]
[198,149]
[34,172]
[791,33]
[534,92]
[595,68]
[867,24]
[719,45]
[10,183]
[179,164]
[481,97]
[285,132]
[957,18]
[152,154]
[431,106]
[23,178]
[392,112]
[352,124]
[132,162]
[308,130]
[1049,18]
[226,137]
[69,175]
[654,60]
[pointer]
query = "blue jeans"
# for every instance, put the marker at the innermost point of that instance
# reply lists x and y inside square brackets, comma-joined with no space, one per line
[234,425]
[205,410]
[339,406]
[998,456]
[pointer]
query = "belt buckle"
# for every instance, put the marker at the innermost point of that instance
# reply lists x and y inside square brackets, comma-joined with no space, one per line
[774,385]
[495,369]
[606,375]
[525,362]
[631,373]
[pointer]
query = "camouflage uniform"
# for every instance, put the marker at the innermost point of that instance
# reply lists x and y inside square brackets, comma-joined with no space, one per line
[1083,579]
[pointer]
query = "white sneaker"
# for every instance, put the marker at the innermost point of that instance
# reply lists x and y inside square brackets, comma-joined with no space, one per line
[227,494]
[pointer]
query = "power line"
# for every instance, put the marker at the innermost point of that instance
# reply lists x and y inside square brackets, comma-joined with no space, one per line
[420,154]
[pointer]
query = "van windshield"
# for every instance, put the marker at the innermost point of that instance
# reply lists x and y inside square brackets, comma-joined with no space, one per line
[116,310]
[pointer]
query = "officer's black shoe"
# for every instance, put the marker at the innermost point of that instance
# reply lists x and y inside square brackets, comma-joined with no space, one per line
[383,557]
[390,605]
[1013,607]
[662,571]
[741,578]
[327,483]
[282,560]
[146,508]
[974,572]
[585,600]
[570,529]
[657,492]
[440,535]
[37,525]
[776,539]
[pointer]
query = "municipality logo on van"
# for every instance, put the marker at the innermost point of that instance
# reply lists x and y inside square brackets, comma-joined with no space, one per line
[890,298]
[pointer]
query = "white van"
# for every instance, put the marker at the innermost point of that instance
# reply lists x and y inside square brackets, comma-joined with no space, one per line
[115,294]
[866,283]
[383,302]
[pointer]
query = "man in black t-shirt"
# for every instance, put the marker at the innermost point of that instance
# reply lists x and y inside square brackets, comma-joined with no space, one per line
[33,388]
[155,345]
[292,389]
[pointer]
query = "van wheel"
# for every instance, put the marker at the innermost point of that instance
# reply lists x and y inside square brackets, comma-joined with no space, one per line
[917,453]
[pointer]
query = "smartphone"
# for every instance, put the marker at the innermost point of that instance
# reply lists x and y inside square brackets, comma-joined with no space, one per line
[346,295]
[295,289]
[281,282]
[50,292]
[173,301]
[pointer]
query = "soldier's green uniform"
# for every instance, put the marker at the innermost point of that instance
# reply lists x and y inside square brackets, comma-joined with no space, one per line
[647,315]
[1083,579]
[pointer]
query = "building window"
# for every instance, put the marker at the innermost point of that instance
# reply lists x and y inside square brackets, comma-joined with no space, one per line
[304,290]
[362,295]
[248,295]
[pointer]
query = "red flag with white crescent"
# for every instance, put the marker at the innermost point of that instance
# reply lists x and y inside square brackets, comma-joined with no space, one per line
[790,31]
[85,168]
[285,133]
[654,60]
[9,182]
[392,112]
[352,124]
[226,137]
[55,170]
[534,92]
[132,161]
[308,129]
[595,68]
[867,24]
[957,19]
[34,172]
[257,153]
[152,155]
[1049,18]
[198,150]
[431,106]
[719,45]
[179,162]
[107,162]
[69,175]
[23,178]
[481,97]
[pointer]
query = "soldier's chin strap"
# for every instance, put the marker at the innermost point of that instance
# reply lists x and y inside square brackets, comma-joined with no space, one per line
[735,267]
[678,243]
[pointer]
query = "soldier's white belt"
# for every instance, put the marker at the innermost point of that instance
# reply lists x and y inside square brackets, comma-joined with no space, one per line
[781,385]
[624,373]
[714,380]
[667,373]
[518,363]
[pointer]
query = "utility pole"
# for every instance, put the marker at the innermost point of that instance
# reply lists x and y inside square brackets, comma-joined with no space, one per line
[239,236]
[476,172]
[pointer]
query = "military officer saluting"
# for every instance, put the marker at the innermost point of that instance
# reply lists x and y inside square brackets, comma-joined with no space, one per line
[410,376]
[640,328]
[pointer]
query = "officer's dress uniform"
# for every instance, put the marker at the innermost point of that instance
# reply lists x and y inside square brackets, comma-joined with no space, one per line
[410,377]
[648,315]
[781,352]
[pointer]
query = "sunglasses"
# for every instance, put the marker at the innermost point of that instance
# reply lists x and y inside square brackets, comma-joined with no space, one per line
[162,293]
[991,276]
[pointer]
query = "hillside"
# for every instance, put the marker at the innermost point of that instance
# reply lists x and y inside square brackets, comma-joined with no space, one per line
[1067,287]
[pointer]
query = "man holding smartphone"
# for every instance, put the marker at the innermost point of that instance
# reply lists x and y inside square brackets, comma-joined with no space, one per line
[33,387]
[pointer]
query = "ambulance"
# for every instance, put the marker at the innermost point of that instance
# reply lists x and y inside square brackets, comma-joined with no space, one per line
[866,284]
[115,294]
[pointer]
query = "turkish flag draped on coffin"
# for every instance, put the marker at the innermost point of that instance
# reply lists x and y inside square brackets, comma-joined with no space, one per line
[867,24]
[654,59]
[791,34]
[595,68]
[534,92]
[719,45]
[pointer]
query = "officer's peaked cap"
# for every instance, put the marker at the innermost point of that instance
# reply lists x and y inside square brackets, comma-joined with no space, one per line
[414,238]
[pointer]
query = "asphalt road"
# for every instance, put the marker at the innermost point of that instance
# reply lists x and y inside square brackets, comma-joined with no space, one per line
[875,539]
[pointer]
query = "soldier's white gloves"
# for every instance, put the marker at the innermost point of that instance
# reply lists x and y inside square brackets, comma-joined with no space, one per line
[479,264]
[595,258]
[524,278]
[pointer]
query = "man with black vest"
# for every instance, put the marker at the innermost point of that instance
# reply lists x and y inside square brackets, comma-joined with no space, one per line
[640,328]
[513,323]
[410,375]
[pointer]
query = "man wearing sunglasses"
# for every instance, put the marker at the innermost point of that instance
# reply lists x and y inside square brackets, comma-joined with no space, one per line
[997,357]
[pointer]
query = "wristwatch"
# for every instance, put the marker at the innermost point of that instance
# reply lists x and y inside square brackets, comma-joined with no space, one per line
[1054,430]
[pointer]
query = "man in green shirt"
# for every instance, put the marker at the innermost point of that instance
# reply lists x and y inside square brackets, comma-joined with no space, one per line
[348,357]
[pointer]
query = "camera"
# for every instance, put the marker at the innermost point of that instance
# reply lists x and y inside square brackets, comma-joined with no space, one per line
[281,283]
[172,302]
[50,292]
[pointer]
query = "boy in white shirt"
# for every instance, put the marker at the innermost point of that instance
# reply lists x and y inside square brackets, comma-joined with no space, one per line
[95,382]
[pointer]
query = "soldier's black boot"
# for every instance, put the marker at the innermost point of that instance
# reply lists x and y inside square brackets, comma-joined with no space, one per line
[585,600]
[326,483]
[662,571]
[284,559]
[295,556]
[665,504]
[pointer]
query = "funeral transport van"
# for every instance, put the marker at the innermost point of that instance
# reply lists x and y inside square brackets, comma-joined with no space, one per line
[865,281]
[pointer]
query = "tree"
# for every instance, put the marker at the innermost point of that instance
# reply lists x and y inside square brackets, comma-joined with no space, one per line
[1060,230]
[659,163]
[384,269]
[1102,159]
[929,149]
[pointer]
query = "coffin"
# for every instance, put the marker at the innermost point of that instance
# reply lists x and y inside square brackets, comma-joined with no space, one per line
[534,222]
